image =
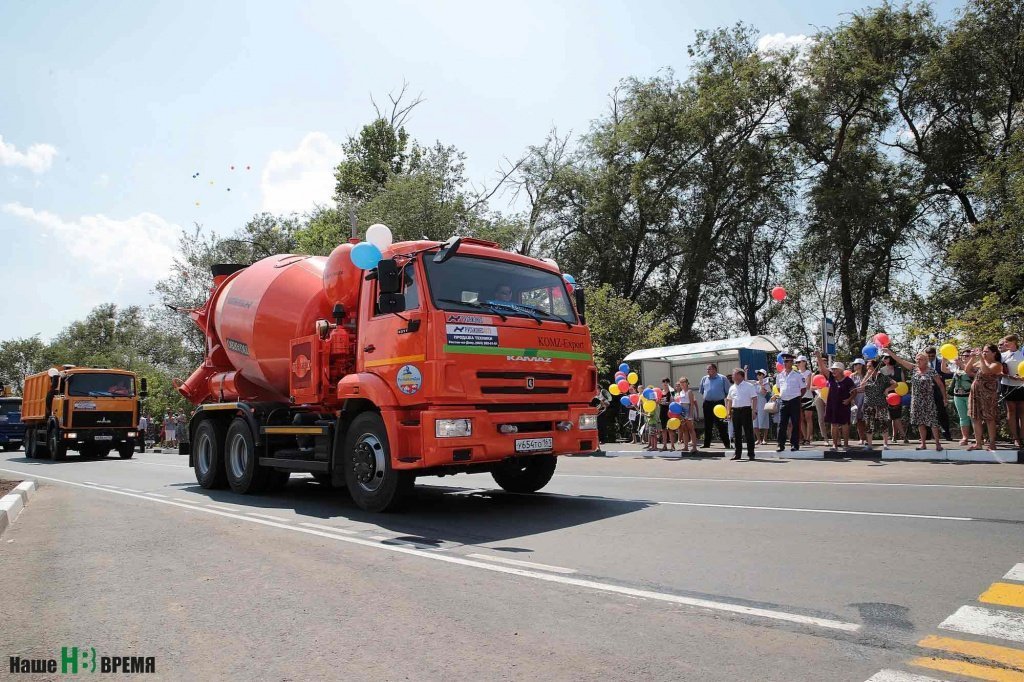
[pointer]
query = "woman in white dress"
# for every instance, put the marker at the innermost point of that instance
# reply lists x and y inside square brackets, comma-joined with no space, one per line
[762,419]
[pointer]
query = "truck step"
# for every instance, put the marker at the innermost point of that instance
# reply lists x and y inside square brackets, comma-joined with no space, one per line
[295,464]
[295,430]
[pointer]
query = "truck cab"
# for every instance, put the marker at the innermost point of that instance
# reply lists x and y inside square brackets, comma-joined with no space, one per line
[12,429]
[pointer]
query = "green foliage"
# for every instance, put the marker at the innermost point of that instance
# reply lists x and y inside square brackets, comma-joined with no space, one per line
[618,327]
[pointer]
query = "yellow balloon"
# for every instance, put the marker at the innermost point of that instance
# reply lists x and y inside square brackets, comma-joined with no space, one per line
[1020,369]
[614,390]
[824,393]
[720,411]
[902,388]
[948,351]
[775,390]
[673,423]
[650,406]
[632,378]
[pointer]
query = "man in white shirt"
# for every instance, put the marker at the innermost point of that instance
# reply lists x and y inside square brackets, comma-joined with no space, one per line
[740,403]
[792,387]
[143,430]
[1013,388]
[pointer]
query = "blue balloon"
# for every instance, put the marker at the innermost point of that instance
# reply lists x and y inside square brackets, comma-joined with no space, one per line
[649,394]
[778,359]
[365,255]
[870,351]
[906,400]
[675,408]
[569,278]
[624,368]
[625,401]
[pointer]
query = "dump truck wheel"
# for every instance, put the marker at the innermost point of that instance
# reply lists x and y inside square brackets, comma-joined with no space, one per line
[525,474]
[40,447]
[208,455]
[126,450]
[245,475]
[373,484]
[57,447]
[30,444]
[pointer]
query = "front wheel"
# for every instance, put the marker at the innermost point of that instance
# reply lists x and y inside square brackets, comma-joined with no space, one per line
[126,450]
[373,483]
[208,454]
[525,474]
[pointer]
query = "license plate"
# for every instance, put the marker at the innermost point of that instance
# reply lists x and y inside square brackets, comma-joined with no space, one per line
[534,444]
[103,438]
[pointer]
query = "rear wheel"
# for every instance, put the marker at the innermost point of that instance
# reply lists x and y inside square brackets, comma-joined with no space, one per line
[30,444]
[525,474]
[40,448]
[245,474]
[126,450]
[56,445]
[208,455]
[10,447]
[373,484]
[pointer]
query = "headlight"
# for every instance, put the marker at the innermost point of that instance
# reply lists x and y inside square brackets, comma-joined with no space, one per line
[453,428]
[132,434]
[588,421]
[71,435]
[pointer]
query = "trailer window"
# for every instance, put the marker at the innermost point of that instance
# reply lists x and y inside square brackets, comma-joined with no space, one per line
[101,385]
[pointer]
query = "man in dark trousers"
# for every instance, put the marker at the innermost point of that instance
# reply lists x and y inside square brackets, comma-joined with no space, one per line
[741,402]
[714,388]
[942,369]
[792,387]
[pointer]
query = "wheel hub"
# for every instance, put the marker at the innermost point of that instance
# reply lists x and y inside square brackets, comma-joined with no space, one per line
[368,462]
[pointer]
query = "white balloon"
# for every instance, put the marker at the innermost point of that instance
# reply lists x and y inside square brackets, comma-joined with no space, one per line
[379,235]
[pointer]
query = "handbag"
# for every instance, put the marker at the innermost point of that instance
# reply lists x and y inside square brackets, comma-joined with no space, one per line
[772,406]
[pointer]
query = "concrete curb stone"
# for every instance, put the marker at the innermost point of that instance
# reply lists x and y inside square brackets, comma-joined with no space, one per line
[13,502]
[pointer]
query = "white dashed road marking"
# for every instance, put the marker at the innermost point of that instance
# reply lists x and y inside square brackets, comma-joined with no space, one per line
[1016,573]
[524,564]
[900,676]
[977,620]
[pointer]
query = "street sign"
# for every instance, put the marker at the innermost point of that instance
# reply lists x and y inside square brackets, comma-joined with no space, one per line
[828,336]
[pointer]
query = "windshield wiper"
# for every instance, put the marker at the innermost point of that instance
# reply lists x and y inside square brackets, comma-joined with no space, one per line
[100,394]
[476,304]
[546,314]
[531,311]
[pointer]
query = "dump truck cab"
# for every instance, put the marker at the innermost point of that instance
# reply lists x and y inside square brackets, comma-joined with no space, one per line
[12,429]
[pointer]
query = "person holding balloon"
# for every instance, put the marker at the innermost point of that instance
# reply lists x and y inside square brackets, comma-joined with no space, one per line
[895,372]
[983,401]
[941,367]
[1013,388]
[877,389]
[962,380]
[684,408]
[923,379]
[839,394]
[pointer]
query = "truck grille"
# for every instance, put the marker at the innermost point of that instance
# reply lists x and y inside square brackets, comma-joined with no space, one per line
[109,420]
[523,383]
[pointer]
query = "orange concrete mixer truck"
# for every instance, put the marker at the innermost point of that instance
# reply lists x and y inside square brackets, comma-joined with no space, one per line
[431,359]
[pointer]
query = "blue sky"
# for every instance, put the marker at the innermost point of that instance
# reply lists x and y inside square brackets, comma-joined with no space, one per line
[108,109]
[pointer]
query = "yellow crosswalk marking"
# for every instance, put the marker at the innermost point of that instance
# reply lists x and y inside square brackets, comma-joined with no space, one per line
[982,672]
[1013,658]
[1005,594]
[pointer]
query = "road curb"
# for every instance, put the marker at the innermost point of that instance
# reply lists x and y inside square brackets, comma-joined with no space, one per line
[13,502]
[947,455]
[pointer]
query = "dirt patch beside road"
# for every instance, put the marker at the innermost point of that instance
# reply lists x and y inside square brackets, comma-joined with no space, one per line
[7,486]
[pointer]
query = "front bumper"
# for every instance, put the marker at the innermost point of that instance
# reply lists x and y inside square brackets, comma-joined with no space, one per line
[111,436]
[15,437]
[417,447]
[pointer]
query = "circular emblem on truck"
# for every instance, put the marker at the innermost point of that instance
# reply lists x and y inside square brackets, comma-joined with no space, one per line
[301,366]
[409,379]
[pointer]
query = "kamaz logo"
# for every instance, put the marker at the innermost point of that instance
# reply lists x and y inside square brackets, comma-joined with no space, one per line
[523,358]
[102,420]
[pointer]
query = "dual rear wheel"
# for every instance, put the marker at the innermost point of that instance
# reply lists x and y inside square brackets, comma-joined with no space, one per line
[229,459]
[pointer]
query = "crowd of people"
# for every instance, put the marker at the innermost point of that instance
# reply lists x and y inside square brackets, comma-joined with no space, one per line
[167,431]
[879,397]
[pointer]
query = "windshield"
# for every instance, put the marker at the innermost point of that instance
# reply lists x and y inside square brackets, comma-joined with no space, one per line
[467,283]
[10,406]
[101,385]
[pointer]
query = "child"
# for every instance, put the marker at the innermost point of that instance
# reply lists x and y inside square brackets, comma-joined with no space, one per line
[653,429]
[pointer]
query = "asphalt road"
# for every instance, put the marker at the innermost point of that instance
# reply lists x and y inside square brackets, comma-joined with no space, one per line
[622,568]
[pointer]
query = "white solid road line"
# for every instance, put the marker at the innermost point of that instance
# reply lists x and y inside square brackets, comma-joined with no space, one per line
[263,516]
[185,500]
[976,620]
[1015,573]
[343,531]
[156,494]
[900,676]
[230,509]
[739,480]
[131,490]
[157,464]
[524,564]
[726,607]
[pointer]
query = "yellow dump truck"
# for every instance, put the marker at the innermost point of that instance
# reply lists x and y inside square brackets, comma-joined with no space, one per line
[88,409]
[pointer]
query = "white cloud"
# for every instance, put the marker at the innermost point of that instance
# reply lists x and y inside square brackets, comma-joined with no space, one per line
[780,42]
[129,255]
[299,179]
[37,158]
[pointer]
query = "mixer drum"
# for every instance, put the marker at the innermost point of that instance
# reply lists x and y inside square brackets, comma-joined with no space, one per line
[261,309]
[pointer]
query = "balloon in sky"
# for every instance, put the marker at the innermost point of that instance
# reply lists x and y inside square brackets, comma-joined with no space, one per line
[365,255]
[881,340]
[569,278]
[379,235]
[948,351]
[623,367]
[778,294]
[870,351]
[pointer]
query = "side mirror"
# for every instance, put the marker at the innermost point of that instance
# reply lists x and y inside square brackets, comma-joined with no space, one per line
[143,389]
[390,303]
[581,304]
[389,277]
[450,248]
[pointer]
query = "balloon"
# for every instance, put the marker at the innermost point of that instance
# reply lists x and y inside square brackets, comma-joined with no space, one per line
[614,390]
[1020,369]
[569,278]
[779,367]
[824,393]
[906,400]
[648,394]
[619,375]
[819,381]
[379,235]
[623,386]
[893,399]
[624,400]
[623,367]
[657,393]
[847,373]
[650,406]
[633,378]
[365,255]
[778,359]
[902,388]
[634,398]
[720,411]
[775,390]
[778,293]
[881,340]
[675,408]
[870,351]
[948,351]
[673,424]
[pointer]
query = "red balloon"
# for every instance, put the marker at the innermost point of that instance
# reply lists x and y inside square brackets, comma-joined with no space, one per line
[779,367]
[847,373]
[657,393]
[819,381]
[623,385]
[619,375]
[882,340]
[634,398]
[893,399]
[778,293]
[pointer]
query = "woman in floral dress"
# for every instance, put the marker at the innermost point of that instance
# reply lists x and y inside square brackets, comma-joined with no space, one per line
[923,410]
[983,401]
[875,386]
